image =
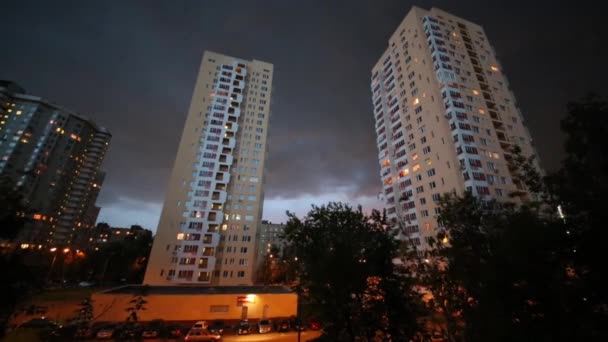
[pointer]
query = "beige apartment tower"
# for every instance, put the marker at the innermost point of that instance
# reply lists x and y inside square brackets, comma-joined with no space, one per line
[446,120]
[213,206]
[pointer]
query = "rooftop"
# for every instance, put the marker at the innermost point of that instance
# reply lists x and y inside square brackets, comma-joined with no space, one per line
[197,290]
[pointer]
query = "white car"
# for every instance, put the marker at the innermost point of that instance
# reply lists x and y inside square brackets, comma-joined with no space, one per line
[200,325]
[264,326]
[106,333]
[202,335]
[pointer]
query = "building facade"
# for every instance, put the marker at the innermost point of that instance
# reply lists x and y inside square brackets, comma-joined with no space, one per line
[103,234]
[446,120]
[213,206]
[54,156]
[269,238]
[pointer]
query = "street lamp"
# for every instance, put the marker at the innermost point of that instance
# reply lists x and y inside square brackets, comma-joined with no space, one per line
[299,292]
[48,276]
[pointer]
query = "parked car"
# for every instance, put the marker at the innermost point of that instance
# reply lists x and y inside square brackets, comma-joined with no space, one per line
[243,327]
[202,335]
[283,326]
[200,325]
[437,336]
[86,284]
[176,330]
[106,332]
[40,323]
[315,325]
[129,331]
[150,332]
[217,327]
[297,324]
[264,326]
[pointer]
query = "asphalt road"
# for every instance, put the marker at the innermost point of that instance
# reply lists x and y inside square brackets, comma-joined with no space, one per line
[277,337]
[274,336]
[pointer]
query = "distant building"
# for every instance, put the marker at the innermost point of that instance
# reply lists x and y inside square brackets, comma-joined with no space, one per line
[213,206]
[103,234]
[446,120]
[269,239]
[54,157]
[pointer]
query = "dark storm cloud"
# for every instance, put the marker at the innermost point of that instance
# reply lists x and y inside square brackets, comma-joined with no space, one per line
[131,66]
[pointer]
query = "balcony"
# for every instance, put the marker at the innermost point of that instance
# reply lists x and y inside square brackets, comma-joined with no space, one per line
[232,127]
[229,142]
[219,196]
[226,159]
[215,217]
[234,111]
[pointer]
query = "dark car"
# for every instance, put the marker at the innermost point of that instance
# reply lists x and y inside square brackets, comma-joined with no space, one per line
[283,326]
[176,330]
[40,324]
[129,331]
[315,325]
[297,324]
[217,327]
[243,327]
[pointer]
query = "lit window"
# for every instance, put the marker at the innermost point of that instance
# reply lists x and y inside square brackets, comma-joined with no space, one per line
[180,236]
[475,92]
[416,167]
[494,68]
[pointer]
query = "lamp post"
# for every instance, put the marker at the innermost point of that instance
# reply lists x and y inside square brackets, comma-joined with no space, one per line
[65,252]
[48,276]
[299,292]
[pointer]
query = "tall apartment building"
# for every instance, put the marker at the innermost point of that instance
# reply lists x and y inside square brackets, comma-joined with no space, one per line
[54,156]
[213,205]
[446,120]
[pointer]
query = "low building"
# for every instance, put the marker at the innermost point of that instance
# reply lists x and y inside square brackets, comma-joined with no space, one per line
[103,234]
[195,303]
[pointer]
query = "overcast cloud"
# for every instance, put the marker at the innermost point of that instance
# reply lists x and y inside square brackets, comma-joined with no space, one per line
[131,66]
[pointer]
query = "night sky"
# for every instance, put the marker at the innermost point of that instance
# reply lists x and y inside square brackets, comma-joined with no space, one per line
[131,66]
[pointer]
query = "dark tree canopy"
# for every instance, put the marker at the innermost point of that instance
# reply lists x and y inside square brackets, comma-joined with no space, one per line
[346,270]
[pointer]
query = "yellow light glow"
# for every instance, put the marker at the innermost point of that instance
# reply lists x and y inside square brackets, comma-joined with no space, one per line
[18,112]
[445,240]
[53,249]
[65,250]
[416,101]
[250,298]
[494,68]
[180,236]
[24,245]
[416,167]
[475,92]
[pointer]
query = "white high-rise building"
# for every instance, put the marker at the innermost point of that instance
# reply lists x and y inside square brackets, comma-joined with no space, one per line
[446,120]
[213,205]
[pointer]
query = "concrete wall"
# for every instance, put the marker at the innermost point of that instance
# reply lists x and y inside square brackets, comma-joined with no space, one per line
[112,307]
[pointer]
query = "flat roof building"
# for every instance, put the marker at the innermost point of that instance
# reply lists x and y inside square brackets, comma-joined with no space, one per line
[446,120]
[213,206]
[54,157]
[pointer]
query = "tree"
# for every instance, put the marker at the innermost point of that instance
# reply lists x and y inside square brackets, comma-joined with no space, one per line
[137,304]
[346,272]
[505,270]
[580,187]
